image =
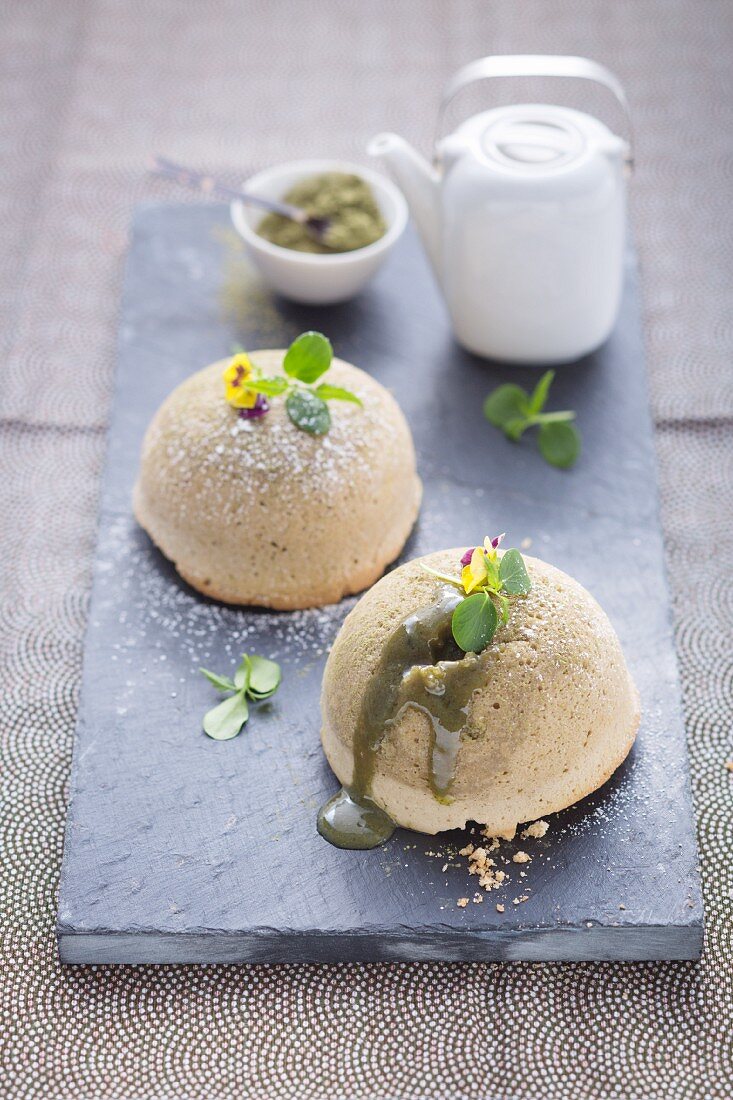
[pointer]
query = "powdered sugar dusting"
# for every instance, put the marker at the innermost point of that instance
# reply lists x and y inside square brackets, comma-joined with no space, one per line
[163,611]
[219,465]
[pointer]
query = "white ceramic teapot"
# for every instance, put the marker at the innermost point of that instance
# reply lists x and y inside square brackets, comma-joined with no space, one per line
[523,217]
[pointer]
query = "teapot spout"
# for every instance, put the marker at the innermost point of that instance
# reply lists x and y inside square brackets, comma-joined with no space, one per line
[420,184]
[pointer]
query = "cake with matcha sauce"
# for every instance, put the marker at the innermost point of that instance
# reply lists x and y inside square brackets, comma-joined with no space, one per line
[480,686]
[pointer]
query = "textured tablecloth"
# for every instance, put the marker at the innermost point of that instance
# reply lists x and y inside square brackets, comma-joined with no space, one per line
[87,91]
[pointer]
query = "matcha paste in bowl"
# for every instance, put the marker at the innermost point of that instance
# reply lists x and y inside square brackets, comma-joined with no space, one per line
[345,199]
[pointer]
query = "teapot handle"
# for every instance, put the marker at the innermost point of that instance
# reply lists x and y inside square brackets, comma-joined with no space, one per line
[537,65]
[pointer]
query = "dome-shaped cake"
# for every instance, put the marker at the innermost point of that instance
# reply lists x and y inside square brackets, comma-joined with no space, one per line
[437,737]
[258,511]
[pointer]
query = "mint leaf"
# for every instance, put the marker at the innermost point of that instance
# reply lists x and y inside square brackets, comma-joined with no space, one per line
[308,357]
[559,443]
[514,429]
[513,573]
[308,412]
[242,675]
[328,392]
[221,683]
[510,409]
[506,403]
[257,677]
[265,677]
[226,720]
[474,622]
[271,387]
[492,572]
[538,398]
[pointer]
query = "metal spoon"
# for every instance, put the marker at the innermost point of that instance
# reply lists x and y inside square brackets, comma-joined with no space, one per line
[315,227]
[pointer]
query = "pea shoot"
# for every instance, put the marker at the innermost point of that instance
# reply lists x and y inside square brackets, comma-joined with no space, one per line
[513,411]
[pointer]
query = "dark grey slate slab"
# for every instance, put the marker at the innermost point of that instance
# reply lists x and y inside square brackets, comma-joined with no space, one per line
[182,849]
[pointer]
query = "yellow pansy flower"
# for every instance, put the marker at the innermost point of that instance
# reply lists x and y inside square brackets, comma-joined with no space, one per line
[474,574]
[492,545]
[238,373]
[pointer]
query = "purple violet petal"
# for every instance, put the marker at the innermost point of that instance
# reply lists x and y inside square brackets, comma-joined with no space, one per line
[260,407]
[466,559]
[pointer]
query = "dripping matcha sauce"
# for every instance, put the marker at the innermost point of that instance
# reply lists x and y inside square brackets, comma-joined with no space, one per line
[421,668]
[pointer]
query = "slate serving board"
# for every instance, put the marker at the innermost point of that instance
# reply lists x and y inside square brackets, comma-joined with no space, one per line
[179,848]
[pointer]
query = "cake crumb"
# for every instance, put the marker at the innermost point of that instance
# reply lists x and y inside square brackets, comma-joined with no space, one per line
[462,903]
[481,865]
[518,901]
[536,829]
[729,765]
[521,857]
[622,906]
[477,899]
[499,907]
[445,867]
[493,840]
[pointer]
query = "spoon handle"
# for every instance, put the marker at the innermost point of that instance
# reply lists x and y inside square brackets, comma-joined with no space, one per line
[208,185]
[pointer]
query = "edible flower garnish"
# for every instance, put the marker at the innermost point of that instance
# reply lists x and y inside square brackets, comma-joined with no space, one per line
[260,407]
[238,374]
[488,583]
[306,360]
[256,678]
[513,410]
[495,543]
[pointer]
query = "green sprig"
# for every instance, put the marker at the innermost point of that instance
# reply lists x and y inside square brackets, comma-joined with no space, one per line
[308,411]
[308,357]
[476,618]
[513,410]
[256,678]
[306,360]
[474,622]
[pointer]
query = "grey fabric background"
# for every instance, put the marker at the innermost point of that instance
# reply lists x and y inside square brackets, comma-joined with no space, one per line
[88,89]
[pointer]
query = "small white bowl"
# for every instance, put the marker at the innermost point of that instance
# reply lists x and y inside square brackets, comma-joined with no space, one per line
[317,278]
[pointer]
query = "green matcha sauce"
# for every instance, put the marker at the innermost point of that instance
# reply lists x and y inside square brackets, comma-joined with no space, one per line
[346,200]
[423,668]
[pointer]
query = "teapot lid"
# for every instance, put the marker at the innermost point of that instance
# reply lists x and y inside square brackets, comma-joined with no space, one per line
[532,138]
[539,137]
[527,138]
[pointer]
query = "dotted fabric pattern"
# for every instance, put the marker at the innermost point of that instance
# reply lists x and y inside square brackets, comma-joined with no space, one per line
[88,89]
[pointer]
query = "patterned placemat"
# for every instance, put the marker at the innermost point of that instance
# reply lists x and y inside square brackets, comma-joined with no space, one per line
[87,91]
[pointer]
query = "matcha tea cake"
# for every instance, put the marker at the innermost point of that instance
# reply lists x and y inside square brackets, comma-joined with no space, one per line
[267,484]
[489,688]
